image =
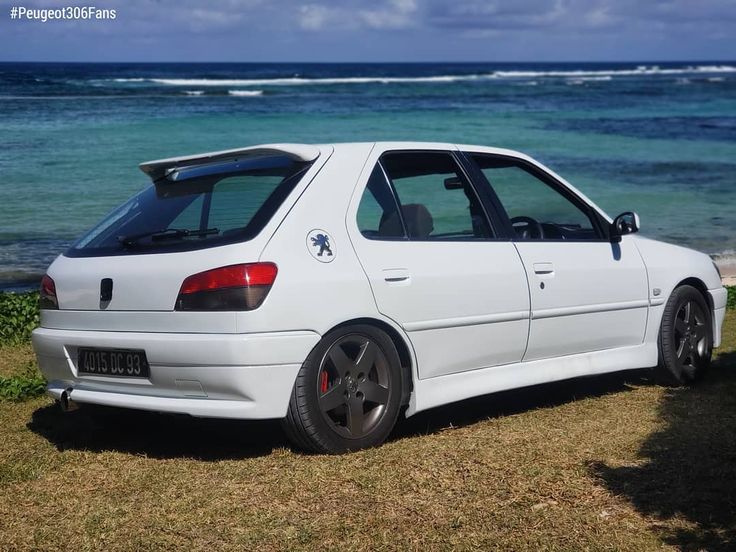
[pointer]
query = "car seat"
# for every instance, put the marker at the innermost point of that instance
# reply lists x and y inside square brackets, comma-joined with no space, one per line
[417,218]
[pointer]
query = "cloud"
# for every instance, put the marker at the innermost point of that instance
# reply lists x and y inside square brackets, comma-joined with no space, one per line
[383,29]
[396,14]
[313,17]
[166,16]
[386,15]
[576,14]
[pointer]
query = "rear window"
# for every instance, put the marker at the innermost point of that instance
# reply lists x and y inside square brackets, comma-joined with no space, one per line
[196,208]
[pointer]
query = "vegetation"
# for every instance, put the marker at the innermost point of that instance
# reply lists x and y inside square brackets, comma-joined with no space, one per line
[16,388]
[18,316]
[19,376]
[603,463]
[731,297]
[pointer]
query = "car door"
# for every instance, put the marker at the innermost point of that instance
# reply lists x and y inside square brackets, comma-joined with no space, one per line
[587,292]
[436,265]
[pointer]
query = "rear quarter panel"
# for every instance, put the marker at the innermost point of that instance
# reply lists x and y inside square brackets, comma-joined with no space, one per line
[309,294]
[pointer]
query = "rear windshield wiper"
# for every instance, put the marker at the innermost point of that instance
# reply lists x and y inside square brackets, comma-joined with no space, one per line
[167,234]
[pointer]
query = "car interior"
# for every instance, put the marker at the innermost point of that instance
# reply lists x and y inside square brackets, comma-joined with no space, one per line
[417,218]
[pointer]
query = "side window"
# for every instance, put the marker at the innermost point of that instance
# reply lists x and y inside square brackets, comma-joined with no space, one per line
[437,201]
[537,210]
[378,215]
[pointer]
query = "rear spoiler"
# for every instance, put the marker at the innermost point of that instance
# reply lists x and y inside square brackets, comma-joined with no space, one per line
[161,167]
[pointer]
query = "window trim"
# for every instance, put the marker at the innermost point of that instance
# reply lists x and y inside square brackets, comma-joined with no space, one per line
[600,225]
[497,230]
[387,182]
[397,203]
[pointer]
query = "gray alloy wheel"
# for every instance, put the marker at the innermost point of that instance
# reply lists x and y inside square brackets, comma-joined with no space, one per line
[685,338]
[352,384]
[348,392]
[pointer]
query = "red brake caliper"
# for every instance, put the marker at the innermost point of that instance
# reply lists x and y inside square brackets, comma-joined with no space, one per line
[323,382]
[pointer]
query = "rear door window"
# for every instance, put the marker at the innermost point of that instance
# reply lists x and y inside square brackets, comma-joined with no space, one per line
[437,201]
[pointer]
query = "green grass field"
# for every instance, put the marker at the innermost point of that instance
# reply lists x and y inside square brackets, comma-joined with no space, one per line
[606,463]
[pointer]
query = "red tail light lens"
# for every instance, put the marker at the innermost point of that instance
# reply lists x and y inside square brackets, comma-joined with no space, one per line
[228,288]
[47,298]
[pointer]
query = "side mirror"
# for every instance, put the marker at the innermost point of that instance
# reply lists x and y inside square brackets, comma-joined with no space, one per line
[625,223]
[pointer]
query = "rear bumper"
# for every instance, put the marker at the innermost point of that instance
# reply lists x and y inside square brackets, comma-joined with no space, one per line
[719,297]
[246,376]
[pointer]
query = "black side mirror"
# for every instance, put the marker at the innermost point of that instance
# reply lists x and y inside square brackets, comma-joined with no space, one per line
[625,223]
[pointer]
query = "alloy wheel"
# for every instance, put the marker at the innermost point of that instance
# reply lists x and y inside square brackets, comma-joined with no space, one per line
[691,337]
[353,385]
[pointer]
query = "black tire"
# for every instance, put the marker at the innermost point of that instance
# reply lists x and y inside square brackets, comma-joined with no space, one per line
[348,392]
[685,338]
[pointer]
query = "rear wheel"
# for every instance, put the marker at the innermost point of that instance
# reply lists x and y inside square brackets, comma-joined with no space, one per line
[685,338]
[348,392]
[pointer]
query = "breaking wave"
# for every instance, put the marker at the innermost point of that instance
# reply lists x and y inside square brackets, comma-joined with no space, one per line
[296,81]
[578,74]
[245,93]
[725,258]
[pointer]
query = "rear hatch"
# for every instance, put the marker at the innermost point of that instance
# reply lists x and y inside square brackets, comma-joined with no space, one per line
[200,213]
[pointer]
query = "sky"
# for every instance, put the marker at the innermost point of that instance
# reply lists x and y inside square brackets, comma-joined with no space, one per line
[375,30]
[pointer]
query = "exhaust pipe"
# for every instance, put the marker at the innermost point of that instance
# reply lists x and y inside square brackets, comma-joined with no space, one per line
[66,402]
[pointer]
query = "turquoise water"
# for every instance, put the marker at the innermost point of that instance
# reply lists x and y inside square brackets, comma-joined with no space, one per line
[661,141]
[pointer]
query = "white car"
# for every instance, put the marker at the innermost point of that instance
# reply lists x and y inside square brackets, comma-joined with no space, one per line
[334,286]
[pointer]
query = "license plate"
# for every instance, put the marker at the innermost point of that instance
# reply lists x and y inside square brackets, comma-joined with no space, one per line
[124,363]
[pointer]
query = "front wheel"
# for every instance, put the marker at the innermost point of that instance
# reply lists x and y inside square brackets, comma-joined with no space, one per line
[348,392]
[685,338]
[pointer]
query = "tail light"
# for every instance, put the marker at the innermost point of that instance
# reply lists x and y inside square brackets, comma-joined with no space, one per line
[47,295]
[228,288]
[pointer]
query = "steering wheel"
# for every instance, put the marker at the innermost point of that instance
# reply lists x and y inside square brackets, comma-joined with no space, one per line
[527,228]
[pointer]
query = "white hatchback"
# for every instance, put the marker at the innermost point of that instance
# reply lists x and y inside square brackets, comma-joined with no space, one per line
[334,286]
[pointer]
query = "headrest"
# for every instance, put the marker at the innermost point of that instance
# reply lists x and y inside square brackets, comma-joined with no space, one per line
[419,223]
[418,220]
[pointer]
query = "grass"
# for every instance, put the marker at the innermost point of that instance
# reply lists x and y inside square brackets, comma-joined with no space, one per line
[606,463]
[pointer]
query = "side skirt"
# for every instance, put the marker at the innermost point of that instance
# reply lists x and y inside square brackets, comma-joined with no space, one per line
[432,392]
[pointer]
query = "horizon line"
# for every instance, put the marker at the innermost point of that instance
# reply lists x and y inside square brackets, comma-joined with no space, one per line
[699,60]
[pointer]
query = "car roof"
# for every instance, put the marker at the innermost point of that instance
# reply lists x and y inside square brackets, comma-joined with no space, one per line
[159,168]
[418,145]
[309,152]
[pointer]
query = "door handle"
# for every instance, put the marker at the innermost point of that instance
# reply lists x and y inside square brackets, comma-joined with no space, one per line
[544,269]
[396,275]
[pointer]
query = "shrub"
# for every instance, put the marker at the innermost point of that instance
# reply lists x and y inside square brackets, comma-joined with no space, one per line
[18,316]
[26,386]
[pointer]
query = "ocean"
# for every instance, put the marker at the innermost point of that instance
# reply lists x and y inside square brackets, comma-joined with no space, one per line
[656,138]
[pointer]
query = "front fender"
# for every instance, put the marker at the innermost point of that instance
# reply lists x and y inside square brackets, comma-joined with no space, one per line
[667,267]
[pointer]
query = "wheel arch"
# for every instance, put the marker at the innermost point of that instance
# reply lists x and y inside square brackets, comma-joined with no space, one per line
[403,348]
[673,369]
[700,286]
